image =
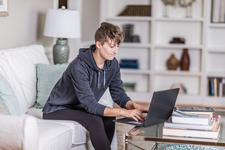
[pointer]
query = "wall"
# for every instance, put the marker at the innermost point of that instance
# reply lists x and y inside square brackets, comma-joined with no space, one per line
[74,44]
[25,24]
[90,19]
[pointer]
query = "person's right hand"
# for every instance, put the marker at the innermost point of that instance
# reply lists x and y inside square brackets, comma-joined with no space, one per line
[133,113]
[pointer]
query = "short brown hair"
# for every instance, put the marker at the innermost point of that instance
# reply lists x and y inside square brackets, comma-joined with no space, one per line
[108,30]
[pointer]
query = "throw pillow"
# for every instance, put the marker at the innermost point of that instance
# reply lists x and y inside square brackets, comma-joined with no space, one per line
[22,60]
[47,77]
[3,109]
[8,96]
[11,77]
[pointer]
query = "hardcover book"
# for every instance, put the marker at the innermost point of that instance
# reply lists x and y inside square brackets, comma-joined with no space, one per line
[209,126]
[188,118]
[192,132]
[196,110]
[193,138]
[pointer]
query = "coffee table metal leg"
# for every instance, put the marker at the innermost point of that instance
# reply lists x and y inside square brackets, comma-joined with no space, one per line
[125,141]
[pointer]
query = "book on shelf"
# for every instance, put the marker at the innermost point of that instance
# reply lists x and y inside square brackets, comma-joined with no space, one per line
[216,86]
[215,11]
[218,11]
[222,11]
[189,118]
[197,133]
[196,110]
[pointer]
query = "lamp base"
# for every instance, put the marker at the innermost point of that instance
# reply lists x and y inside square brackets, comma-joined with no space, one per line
[61,52]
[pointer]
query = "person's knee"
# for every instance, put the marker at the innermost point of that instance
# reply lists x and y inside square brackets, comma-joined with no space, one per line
[96,120]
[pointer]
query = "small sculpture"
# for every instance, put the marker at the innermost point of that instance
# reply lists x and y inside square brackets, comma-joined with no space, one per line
[167,2]
[172,63]
[186,4]
[185,60]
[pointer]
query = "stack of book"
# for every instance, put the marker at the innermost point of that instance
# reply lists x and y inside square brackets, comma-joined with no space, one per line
[193,123]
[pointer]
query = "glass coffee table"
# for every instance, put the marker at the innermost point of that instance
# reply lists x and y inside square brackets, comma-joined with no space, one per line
[154,134]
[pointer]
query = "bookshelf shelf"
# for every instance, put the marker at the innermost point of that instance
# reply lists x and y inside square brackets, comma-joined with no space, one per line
[216,50]
[129,18]
[139,45]
[217,25]
[178,46]
[180,19]
[178,73]
[136,71]
[216,74]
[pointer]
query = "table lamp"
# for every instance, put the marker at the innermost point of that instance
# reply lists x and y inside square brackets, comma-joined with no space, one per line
[62,24]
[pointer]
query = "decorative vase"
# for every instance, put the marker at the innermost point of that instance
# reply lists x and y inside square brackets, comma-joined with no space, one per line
[61,52]
[185,60]
[172,63]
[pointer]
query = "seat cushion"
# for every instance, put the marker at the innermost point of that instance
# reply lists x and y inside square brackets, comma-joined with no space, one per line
[37,113]
[22,60]
[79,133]
[54,136]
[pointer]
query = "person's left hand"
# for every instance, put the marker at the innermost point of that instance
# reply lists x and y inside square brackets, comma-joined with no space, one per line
[141,108]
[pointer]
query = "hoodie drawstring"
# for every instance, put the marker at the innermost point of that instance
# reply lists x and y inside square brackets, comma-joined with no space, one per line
[104,78]
[99,78]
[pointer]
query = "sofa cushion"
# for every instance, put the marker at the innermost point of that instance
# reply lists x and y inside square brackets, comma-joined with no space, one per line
[11,77]
[79,133]
[54,136]
[37,113]
[3,109]
[22,60]
[18,132]
[8,96]
[47,76]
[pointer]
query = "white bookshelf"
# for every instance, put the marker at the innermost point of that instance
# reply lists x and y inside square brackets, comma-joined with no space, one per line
[203,39]
[215,57]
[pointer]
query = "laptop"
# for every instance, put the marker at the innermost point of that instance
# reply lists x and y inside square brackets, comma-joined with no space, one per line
[160,109]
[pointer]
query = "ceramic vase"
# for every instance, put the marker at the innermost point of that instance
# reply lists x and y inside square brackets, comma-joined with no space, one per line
[185,60]
[172,63]
[61,52]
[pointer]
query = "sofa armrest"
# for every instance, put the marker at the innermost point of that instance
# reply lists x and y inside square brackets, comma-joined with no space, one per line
[18,132]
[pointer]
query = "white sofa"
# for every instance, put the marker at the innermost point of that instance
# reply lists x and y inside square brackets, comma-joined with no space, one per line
[27,130]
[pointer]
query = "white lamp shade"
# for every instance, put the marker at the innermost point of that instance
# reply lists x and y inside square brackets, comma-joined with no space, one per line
[61,23]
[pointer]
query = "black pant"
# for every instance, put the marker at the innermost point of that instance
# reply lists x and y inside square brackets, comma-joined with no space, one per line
[101,129]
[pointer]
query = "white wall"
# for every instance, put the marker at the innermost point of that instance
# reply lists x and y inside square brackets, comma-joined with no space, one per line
[90,19]
[74,44]
[25,24]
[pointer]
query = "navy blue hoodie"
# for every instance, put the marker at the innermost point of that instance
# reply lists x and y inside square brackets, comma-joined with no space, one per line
[83,83]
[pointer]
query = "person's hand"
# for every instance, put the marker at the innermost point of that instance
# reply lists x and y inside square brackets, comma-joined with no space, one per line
[133,113]
[141,108]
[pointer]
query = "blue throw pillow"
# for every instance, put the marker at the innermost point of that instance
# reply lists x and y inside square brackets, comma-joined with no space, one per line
[8,96]
[47,77]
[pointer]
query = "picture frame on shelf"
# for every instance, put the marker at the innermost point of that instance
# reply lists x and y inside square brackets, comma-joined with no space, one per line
[4,9]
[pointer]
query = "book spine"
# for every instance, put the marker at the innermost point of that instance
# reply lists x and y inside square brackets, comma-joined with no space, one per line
[216,11]
[209,86]
[222,9]
[215,86]
[212,86]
